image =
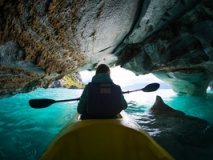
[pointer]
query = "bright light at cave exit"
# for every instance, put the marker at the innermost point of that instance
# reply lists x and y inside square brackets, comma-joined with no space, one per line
[123,77]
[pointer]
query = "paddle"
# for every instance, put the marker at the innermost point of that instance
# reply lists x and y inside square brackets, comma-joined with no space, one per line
[43,103]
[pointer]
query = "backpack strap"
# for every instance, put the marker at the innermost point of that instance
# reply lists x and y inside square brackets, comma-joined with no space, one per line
[104,100]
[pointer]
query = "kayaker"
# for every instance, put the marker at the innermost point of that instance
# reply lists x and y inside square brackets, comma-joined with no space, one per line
[101,98]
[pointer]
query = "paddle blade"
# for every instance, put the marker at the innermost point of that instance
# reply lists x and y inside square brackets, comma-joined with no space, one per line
[151,87]
[41,103]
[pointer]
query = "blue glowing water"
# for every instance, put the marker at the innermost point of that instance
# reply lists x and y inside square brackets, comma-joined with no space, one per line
[26,132]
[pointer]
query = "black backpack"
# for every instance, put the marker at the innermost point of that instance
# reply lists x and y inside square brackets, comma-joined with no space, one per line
[104,100]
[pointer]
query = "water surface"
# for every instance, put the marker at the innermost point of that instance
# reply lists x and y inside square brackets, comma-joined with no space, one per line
[26,132]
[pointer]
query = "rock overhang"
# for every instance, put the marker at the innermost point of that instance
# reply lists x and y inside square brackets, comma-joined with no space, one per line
[49,39]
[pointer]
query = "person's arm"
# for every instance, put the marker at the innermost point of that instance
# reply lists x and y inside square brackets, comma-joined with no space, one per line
[83,101]
[123,102]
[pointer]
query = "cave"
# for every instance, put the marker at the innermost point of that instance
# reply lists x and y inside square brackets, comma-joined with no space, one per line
[43,42]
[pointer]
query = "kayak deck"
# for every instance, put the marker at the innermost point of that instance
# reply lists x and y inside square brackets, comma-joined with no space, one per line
[120,138]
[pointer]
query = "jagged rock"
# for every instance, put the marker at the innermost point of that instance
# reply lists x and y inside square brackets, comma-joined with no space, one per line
[159,108]
[42,41]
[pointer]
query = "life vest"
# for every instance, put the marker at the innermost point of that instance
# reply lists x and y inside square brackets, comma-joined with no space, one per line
[104,100]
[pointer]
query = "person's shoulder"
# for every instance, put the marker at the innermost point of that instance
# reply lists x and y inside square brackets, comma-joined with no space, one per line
[116,85]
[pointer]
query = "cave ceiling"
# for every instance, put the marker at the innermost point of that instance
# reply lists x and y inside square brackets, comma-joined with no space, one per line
[41,41]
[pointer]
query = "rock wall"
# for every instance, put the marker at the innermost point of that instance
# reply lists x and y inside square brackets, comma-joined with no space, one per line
[179,52]
[60,37]
[42,41]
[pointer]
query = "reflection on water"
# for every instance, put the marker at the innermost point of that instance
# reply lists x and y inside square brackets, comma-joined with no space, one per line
[26,132]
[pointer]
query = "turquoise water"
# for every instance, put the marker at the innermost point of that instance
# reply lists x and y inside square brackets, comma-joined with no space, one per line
[26,132]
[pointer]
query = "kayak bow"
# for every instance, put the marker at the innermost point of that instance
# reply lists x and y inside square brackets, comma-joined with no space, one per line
[104,139]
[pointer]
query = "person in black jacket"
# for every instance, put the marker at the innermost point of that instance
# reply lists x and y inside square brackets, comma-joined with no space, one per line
[101,98]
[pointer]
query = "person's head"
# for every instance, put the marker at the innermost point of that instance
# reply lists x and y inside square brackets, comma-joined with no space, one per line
[102,69]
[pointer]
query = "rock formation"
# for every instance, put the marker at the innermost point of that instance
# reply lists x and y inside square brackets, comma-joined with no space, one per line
[71,81]
[160,108]
[42,41]
[163,122]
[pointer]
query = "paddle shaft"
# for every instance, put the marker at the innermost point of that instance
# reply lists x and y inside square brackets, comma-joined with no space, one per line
[132,91]
[77,99]
[66,100]
[43,103]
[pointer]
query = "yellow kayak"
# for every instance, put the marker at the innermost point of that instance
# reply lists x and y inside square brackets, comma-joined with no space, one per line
[104,139]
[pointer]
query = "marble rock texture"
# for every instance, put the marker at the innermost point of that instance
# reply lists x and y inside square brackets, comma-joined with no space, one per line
[41,41]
